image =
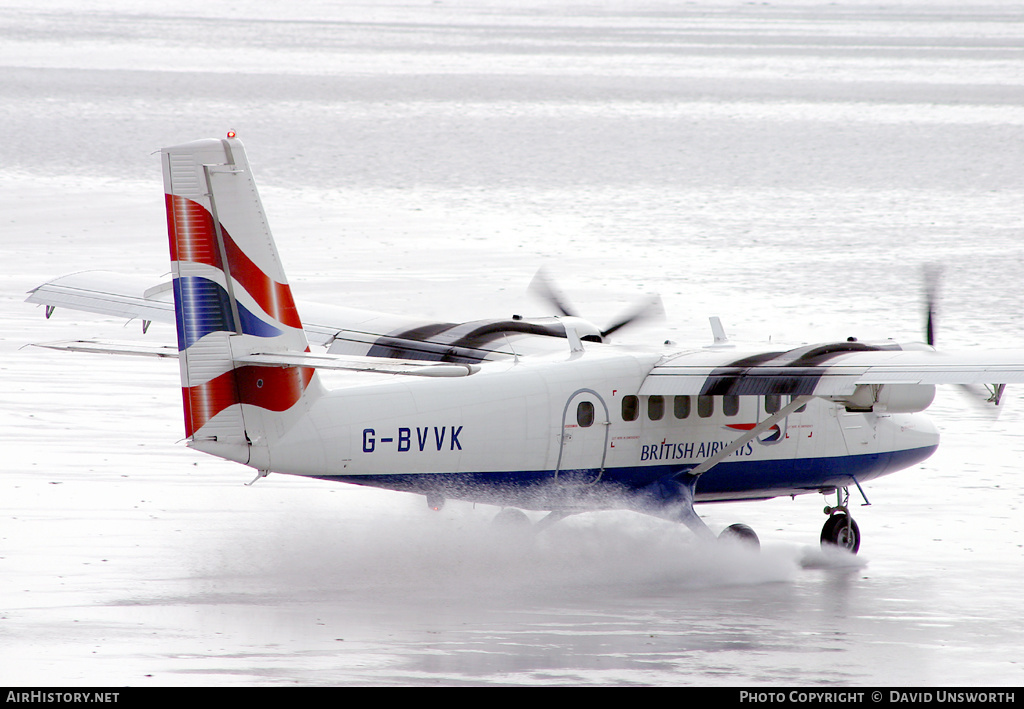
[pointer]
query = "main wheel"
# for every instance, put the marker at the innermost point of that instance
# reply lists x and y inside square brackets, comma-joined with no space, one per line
[741,533]
[837,532]
[511,518]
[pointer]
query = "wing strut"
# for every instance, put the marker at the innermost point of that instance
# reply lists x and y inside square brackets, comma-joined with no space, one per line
[750,435]
[671,497]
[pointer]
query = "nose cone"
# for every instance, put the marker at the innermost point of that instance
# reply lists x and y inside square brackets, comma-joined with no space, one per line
[912,437]
[916,431]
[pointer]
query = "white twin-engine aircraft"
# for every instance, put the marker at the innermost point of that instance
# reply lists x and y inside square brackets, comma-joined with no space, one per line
[538,414]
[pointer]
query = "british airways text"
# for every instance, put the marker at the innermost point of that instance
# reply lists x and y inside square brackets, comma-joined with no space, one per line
[690,449]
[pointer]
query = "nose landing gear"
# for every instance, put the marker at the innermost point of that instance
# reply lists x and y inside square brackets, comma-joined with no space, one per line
[840,529]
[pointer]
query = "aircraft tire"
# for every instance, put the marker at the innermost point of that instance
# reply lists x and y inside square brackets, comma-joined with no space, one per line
[740,533]
[836,533]
[511,518]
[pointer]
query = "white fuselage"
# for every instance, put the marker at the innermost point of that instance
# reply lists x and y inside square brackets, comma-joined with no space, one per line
[574,420]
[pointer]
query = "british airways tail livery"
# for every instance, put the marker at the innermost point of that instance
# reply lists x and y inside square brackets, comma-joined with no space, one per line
[231,299]
[531,413]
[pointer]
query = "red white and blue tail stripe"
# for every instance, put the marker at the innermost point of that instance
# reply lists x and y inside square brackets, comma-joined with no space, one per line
[231,299]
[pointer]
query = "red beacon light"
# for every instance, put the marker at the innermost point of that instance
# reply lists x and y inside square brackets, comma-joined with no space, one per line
[231,134]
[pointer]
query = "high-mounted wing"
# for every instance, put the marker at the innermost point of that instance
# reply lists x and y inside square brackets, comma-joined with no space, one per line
[138,298]
[343,330]
[864,376]
[278,359]
[115,294]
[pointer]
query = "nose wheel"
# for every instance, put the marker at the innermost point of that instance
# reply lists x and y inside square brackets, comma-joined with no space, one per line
[840,529]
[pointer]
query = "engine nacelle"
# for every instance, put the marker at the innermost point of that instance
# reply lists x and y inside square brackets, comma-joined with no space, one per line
[889,398]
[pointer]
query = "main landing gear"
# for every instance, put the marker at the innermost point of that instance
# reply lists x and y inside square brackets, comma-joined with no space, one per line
[511,519]
[740,533]
[673,500]
[840,529]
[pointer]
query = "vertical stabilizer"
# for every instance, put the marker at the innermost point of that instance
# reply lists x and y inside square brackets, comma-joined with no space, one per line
[231,298]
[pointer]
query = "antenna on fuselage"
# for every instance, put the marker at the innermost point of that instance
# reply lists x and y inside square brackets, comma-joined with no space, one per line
[721,340]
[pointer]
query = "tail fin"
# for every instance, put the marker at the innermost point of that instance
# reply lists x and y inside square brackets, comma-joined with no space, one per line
[231,298]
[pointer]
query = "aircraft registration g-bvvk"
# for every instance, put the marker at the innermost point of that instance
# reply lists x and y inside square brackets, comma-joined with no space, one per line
[538,414]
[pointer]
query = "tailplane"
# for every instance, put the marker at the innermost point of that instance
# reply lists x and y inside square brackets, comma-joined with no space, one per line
[231,300]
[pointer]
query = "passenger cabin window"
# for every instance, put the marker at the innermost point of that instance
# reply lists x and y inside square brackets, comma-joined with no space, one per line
[773,404]
[705,406]
[630,408]
[681,407]
[655,408]
[585,414]
[730,405]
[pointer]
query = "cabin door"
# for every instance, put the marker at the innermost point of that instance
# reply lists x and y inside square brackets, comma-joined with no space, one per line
[584,438]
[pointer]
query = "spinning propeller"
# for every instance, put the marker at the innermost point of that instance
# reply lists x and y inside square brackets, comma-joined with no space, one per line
[932,275]
[649,308]
[980,396]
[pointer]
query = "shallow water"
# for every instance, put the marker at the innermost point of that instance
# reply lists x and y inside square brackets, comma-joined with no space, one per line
[788,168]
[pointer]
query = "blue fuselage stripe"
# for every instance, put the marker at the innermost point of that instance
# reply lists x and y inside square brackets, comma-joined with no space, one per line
[744,480]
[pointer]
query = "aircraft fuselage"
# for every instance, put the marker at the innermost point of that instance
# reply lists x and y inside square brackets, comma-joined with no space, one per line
[565,430]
